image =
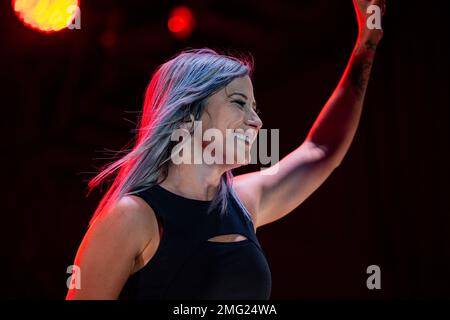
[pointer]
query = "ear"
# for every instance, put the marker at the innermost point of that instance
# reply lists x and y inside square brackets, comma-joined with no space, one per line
[188,124]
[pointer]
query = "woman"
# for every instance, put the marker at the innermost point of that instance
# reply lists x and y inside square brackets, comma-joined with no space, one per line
[187,230]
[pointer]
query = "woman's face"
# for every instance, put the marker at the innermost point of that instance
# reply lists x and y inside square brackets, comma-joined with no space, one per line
[233,108]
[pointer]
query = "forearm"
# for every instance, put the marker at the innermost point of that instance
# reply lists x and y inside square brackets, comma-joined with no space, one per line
[336,124]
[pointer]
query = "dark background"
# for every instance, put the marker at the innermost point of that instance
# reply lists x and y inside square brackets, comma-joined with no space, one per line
[68,96]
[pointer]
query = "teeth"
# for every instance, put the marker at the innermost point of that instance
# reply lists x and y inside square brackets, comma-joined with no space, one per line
[243,137]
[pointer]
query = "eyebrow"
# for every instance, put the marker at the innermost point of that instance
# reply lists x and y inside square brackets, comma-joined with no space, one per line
[243,95]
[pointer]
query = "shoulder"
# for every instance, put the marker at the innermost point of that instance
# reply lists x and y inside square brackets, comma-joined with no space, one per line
[131,218]
[107,254]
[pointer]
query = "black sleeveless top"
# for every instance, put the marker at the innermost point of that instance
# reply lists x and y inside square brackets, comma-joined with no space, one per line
[188,266]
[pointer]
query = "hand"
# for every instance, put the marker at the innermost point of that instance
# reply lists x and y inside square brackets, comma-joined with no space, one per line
[368,37]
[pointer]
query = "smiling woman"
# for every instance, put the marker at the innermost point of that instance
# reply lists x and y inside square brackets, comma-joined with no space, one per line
[188,230]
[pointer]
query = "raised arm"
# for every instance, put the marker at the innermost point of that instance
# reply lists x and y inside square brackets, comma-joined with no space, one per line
[270,197]
[336,125]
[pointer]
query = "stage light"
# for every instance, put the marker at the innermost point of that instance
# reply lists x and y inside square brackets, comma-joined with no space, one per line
[46,15]
[181,22]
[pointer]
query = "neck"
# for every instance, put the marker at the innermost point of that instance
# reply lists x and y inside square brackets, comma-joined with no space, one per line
[195,181]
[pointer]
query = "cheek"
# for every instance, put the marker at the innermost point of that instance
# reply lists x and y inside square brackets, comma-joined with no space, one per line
[231,118]
[222,118]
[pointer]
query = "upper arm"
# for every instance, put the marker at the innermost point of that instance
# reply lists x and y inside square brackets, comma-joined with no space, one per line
[107,253]
[274,192]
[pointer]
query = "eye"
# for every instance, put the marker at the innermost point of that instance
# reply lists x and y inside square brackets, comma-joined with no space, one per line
[243,103]
[239,102]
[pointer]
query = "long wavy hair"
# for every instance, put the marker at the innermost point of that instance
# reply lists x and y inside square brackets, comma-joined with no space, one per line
[178,89]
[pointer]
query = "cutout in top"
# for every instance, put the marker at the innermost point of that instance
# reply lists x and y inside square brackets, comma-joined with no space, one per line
[228,238]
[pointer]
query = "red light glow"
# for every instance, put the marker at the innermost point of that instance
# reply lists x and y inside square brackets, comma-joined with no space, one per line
[181,22]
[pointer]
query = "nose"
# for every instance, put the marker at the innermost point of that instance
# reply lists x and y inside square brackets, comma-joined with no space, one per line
[254,120]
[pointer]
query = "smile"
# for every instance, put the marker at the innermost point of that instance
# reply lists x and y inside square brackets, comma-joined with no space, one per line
[242,137]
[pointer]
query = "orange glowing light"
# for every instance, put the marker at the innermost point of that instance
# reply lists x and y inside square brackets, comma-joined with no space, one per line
[46,15]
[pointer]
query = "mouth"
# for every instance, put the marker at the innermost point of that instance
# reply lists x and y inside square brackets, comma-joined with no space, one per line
[242,137]
[247,137]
